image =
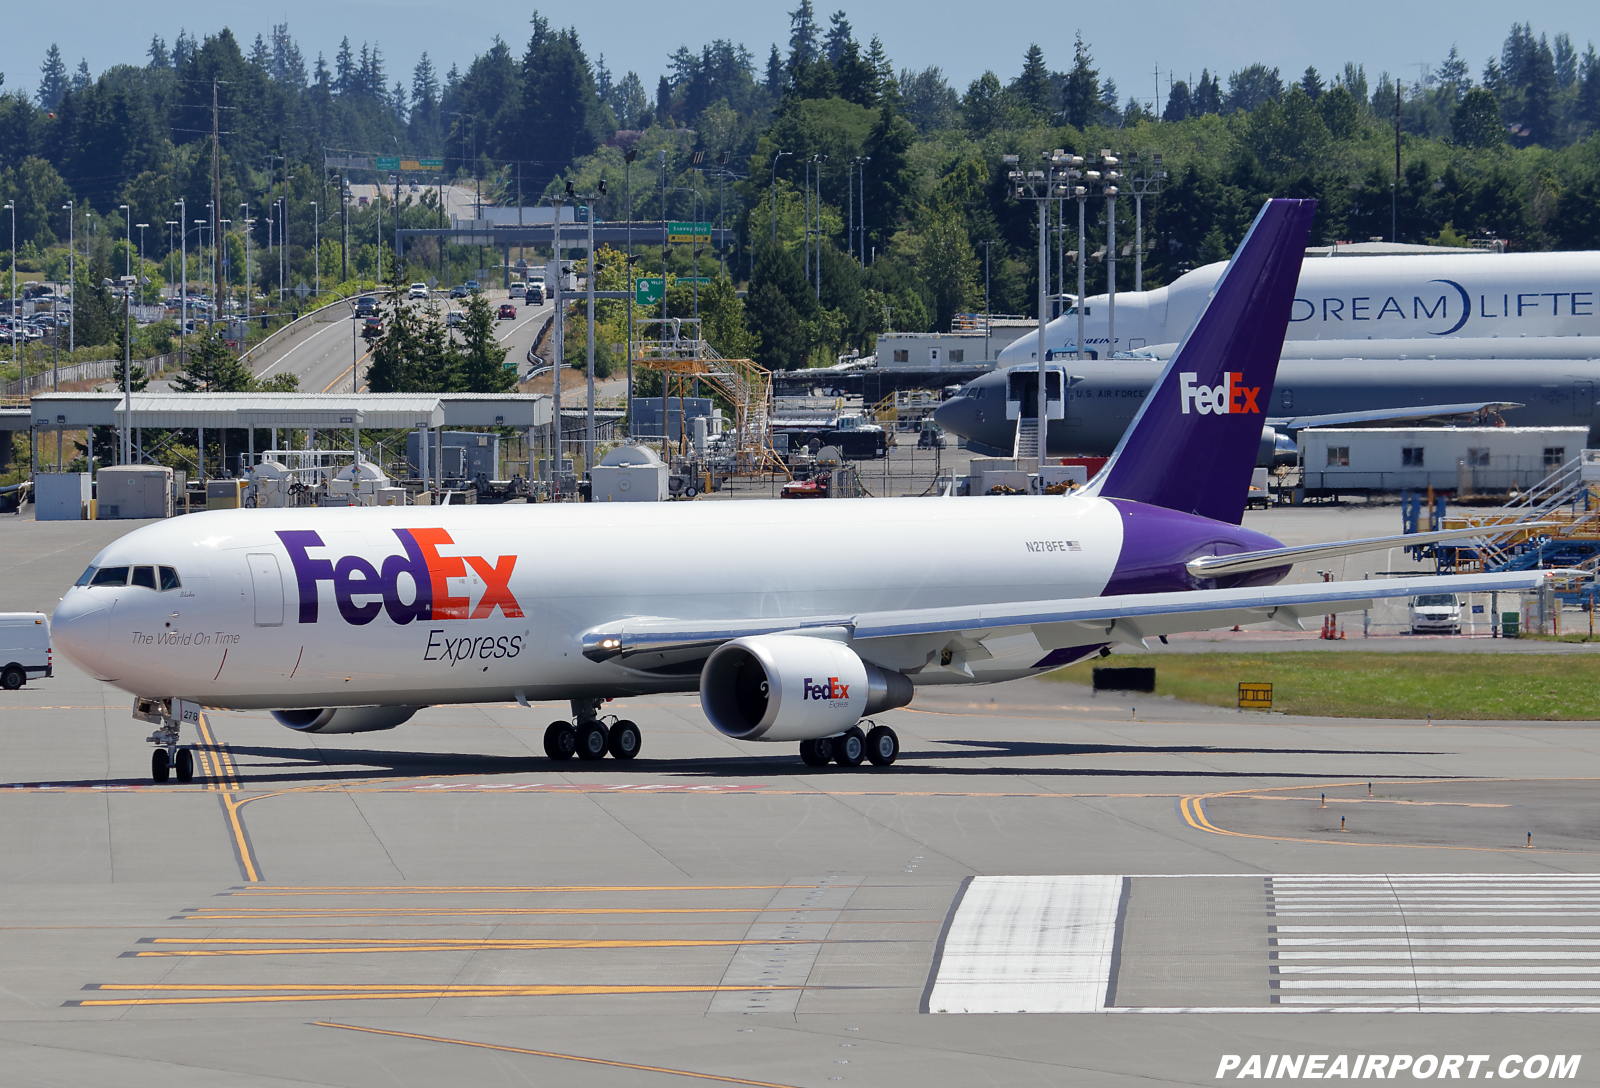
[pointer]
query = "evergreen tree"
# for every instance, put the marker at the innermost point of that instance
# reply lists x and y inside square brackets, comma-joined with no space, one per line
[1033,86]
[929,101]
[1566,61]
[183,49]
[602,79]
[1178,103]
[1080,91]
[1340,112]
[775,76]
[1587,107]
[840,37]
[478,361]
[81,78]
[211,366]
[159,58]
[803,50]
[1249,87]
[344,69]
[1311,83]
[778,305]
[1354,80]
[53,81]
[1207,94]
[888,175]
[1453,77]
[628,101]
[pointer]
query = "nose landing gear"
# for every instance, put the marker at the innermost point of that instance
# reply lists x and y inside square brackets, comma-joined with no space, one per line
[169,757]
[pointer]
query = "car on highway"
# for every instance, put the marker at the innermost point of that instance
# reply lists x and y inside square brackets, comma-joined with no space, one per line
[372,327]
[366,306]
[418,290]
[508,312]
[454,318]
[458,291]
[473,286]
[535,294]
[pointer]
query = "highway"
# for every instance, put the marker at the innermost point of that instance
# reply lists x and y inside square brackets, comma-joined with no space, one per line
[322,356]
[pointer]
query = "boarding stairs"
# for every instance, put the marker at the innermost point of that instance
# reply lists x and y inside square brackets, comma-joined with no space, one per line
[1026,443]
[1565,506]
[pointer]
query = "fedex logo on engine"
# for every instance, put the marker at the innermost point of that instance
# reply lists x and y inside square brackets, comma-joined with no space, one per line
[1229,398]
[414,585]
[831,690]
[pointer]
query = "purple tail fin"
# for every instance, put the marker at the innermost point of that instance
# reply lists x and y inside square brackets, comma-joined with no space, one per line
[1194,442]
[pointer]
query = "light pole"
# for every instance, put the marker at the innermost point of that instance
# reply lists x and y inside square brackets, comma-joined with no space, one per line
[861,181]
[627,181]
[593,269]
[773,197]
[72,274]
[183,291]
[986,243]
[1146,183]
[200,240]
[316,235]
[1110,176]
[141,227]
[1082,193]
[1058,179]
[127,337]
[12,208]
[248,224]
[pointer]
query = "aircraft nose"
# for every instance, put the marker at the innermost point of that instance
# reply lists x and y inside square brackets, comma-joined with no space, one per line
[79,629]
[955,415]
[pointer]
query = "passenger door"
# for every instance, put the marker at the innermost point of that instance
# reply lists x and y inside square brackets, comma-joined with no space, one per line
[267,580]
[1582,400]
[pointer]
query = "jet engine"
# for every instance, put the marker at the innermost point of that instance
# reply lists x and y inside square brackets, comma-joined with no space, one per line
[1275,449]
[794,687]
[345,719]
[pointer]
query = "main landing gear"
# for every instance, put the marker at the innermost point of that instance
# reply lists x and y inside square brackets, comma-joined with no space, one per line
[880,745]
[591,738]
[169,757]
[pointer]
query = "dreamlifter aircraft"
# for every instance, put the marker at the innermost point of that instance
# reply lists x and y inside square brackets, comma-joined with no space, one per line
[343,621]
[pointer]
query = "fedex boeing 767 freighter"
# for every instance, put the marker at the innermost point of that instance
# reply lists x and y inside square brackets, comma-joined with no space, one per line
[343,621]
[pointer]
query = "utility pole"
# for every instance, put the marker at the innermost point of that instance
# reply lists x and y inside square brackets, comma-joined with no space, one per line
[773,197]
[1146,184]
[216,204]
[1394,192]
[627,181]
[861,180]
[183,293]
[558,336]
[72,274]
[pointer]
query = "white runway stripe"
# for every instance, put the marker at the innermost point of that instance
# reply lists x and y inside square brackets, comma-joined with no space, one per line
[1438,999]
[1438,929]
[1450,942]
[1424,955]
[1371,969]
[1437,984]
[1029,944]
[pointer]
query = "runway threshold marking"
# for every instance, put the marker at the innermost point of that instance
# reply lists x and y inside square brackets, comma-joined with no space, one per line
[1192,808]
[279,993]
[719,1078]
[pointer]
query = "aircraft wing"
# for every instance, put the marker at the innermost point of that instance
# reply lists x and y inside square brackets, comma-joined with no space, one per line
[1376,415]
[905,637]
[1211,566]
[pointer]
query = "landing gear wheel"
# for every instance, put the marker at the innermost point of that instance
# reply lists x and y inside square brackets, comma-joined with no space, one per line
[883,746]
[160,765]
[185,765]
[623,740]
[13,678]
[592,740]
[850,749]
[560,741]
[811,757]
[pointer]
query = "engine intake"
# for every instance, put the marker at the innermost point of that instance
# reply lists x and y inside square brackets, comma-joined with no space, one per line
[794,687]
[345,719]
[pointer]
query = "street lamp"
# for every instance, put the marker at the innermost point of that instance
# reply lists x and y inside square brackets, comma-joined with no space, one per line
[316,234]
[773,197]
[12,208]
[72,273]
[591,278]
[1109,174]
[1148,182]
[986,243]
[248,223]
[627,181]
[818,160]
[1055,181]
[183,291]
[141,227]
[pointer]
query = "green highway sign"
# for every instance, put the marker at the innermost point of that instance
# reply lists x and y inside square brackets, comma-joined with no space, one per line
[386,162]
[688,232]
[647,290]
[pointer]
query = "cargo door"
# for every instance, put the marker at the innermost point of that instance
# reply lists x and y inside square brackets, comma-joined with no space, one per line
[1582,400]
[267,580]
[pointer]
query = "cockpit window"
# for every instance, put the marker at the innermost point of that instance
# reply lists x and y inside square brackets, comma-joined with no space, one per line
[110,576]
[169,579]
[83,579]
[144,576]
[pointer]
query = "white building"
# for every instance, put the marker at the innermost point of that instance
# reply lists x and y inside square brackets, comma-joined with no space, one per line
[1459,459]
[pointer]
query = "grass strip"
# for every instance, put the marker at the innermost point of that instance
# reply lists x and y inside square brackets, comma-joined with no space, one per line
[1482,687]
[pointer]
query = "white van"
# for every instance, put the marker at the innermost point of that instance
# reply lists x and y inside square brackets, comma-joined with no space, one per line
[1436,614]
[24,648]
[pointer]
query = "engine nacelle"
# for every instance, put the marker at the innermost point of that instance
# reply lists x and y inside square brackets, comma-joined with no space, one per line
[794,687]
[1275,449]
[345,719]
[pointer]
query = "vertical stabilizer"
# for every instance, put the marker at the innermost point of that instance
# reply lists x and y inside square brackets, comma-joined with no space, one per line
[1194,442]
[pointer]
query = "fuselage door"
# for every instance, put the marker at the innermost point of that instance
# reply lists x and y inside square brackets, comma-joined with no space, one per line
[267,580]
[1582,400]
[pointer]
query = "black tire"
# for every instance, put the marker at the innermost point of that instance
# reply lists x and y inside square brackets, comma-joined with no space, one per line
[883,746]
[185,765]
[592,741]
[851,748]
[160,765]
[810,756]
[13,677]
[623,740]
[560,741]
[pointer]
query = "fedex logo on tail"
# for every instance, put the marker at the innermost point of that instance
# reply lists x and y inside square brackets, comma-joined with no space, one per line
[831,690]
[1229,398]
[414,585]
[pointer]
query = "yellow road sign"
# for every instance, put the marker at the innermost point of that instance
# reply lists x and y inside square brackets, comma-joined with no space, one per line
[1255,696]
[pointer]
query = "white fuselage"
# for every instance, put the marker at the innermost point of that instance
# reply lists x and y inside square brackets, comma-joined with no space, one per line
[1453,303]
[238,633]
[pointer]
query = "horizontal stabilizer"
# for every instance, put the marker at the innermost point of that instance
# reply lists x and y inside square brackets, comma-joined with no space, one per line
[1215,566]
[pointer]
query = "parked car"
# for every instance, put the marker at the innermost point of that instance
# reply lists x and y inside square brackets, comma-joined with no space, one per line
[1436,614]
[458,291]
[418,290]
[508,312]
[24,648]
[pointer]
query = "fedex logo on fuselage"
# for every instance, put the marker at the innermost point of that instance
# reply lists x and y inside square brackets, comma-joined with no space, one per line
[1229,398]
[361,590]
[831,690]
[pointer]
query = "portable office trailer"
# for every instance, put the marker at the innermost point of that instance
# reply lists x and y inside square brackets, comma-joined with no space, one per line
[62,496]
[1463,460]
